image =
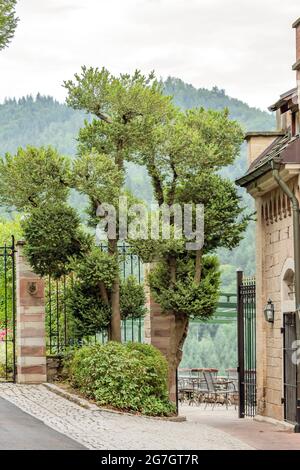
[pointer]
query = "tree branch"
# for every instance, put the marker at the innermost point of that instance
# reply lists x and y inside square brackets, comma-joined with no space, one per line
[158,189]
[102,117]
[171,192]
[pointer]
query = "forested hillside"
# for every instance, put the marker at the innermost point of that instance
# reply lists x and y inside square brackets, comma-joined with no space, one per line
[44,121]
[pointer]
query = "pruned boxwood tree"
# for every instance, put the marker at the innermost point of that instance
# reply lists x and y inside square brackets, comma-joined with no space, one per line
[53,235]
[36,182]
[125,109]
[132,298]
[33,177]
[89,298]
[8,21]
[183,158]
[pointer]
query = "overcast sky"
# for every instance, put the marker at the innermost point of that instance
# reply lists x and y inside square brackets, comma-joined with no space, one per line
[246,47]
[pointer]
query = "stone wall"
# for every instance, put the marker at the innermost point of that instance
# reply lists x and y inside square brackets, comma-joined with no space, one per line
[274,258]
[54,368]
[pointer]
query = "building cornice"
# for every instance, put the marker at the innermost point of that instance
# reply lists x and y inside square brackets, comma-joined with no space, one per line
[267,183]
[296,65]
[251,134]
[296,23]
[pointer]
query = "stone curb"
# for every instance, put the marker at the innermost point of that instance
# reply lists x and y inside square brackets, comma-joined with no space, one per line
[91,406]
[282,425]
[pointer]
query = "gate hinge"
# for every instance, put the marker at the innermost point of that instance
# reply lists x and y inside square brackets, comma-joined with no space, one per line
[282,400]
[282,329]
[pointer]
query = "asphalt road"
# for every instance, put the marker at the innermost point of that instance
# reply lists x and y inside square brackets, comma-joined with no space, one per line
[20,431]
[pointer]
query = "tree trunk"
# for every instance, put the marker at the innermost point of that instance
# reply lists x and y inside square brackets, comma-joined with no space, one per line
[115,312]
[178,335]
[103,293]
[198,267]
[115,325]
[105,299]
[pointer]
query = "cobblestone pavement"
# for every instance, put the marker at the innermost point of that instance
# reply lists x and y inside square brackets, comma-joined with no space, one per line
[102,430]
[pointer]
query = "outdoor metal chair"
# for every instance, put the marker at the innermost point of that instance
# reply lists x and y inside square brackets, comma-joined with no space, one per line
[211,396]
[233,376]
[218,392]
[191,390]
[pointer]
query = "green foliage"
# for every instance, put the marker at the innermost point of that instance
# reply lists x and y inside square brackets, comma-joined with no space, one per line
[53,236]
[91,311]
[95,267]
[6,358]
[130,377]
[41,121]
[196,140]
[183,160]
[7,229]
[33,177]
[127,107]
[8,21]
[186,297]
[132,298]
[98,177]
[224,219]
[209,345]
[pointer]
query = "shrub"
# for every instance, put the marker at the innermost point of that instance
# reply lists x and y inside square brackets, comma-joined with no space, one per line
[53,235]
[131,377]
[132,298]
[6,360]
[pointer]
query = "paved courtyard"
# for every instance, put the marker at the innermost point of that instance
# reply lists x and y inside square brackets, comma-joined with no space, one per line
[259,435]
[95,429]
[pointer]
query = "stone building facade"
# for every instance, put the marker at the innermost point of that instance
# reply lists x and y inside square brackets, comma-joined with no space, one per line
[275,267]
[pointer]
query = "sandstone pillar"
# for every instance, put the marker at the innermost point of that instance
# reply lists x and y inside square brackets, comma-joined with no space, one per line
[30,332]
[158,327]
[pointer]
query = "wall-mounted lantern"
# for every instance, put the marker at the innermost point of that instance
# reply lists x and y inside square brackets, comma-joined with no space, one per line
[269,311]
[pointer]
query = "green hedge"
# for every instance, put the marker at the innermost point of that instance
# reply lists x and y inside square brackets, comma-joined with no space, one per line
[131,377]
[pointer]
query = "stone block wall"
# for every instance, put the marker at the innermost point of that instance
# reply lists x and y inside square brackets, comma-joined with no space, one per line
[274,257]
[54,368]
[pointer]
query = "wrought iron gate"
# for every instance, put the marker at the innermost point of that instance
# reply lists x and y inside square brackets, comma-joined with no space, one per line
[290,367]
[7,313]
[246,325]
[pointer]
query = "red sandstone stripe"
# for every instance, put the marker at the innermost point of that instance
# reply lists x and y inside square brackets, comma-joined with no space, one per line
[32,370]
[32,333]
[33,351]
[24,317]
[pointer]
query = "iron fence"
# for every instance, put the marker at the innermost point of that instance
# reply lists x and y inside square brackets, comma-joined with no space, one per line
[290,367]
[246,345]
[7,313]
[60,322]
